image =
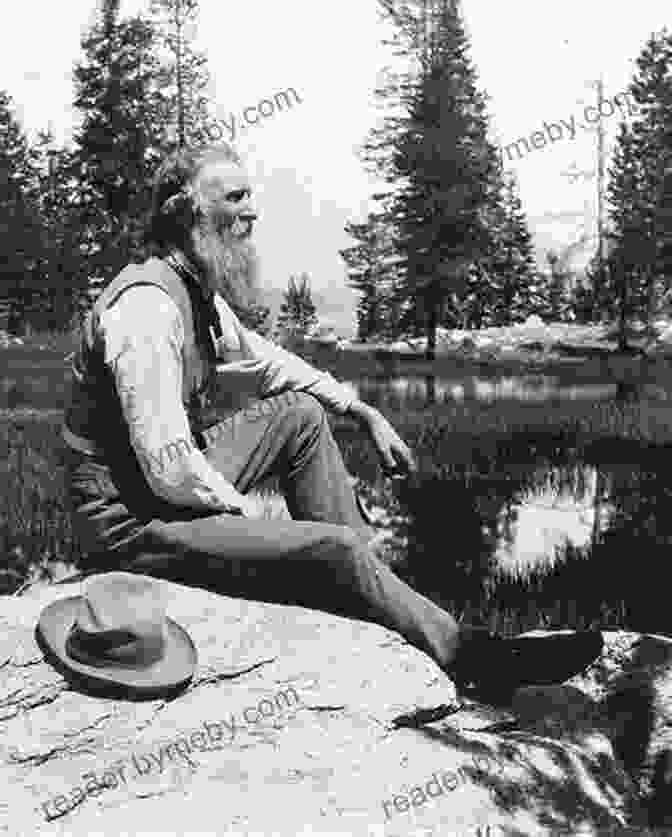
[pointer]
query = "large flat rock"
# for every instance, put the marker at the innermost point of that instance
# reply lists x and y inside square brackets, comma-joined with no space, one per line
[287,729]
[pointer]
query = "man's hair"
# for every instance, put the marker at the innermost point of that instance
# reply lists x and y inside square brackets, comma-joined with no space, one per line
[175,204]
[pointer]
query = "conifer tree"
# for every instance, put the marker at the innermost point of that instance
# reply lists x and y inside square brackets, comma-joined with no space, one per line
[639,266]
[372,271]
[184,76]
[503,285]
[519,291]
[63,270]
[20,233]
[559,287]
[665,219]
[297,312]
[120,140]
[434,152]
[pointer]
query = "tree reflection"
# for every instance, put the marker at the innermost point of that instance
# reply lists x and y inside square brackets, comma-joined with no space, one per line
[458,520]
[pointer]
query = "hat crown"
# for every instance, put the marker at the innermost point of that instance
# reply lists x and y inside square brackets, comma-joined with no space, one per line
[121,620]
[122,601]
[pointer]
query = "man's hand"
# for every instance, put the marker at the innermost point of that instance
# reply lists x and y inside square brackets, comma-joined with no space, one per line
[395,455]
[243,506]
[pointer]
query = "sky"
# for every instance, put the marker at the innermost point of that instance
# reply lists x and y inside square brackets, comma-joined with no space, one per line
[534,60]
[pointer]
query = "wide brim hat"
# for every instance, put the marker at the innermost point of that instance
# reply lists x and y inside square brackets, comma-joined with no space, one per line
[115,607]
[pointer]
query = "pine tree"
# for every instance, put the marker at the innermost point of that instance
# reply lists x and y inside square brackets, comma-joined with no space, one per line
[443,169]
[20,231]
[297,312]
[184,76]
[559,287]
[639,266]
[372,271]
[63,271]
[512,263]
[583,297]
[120,140]
[665,219]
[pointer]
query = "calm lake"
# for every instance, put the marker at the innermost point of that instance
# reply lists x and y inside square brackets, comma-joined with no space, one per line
[430,389]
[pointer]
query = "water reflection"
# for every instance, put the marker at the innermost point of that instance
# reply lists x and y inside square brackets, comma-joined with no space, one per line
[431,389]
[560,539]
[51,389]
[565,509]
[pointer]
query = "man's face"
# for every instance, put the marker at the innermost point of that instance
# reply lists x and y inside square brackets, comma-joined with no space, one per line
[221,241]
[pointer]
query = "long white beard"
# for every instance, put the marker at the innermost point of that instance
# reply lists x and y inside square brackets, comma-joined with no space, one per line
[231,266]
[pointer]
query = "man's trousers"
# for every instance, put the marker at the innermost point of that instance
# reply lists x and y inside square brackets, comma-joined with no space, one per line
[319,559]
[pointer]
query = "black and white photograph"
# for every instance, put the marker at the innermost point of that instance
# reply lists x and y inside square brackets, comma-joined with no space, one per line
[335,419]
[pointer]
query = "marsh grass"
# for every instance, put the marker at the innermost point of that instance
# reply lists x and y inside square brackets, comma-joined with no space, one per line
[35,529]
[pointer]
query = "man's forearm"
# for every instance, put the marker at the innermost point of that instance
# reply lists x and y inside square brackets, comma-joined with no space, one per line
[360,410]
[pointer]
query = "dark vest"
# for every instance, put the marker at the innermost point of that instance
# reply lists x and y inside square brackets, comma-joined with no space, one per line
[94,423]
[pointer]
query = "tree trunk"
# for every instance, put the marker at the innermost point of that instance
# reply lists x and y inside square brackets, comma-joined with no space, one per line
[373,324]
[432,323]
[623,314]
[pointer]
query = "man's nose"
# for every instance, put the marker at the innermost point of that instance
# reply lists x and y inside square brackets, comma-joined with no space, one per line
[248,212]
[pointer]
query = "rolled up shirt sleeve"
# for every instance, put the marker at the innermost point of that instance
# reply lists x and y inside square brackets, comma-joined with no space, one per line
[144,350]
[277,369]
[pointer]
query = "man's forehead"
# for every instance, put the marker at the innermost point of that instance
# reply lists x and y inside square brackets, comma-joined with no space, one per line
[217,178]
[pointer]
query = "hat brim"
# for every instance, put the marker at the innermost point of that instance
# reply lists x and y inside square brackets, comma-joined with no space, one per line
[169,674]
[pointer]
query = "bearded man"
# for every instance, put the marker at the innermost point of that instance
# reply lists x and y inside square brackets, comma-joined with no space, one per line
[178,411]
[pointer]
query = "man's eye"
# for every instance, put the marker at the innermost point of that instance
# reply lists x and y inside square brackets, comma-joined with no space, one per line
[237,196]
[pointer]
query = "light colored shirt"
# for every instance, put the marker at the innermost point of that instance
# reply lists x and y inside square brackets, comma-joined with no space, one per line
[143,336]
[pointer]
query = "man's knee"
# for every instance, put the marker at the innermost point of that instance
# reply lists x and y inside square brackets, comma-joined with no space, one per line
[345,542]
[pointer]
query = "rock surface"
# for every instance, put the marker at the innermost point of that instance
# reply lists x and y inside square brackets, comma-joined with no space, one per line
[288,729]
